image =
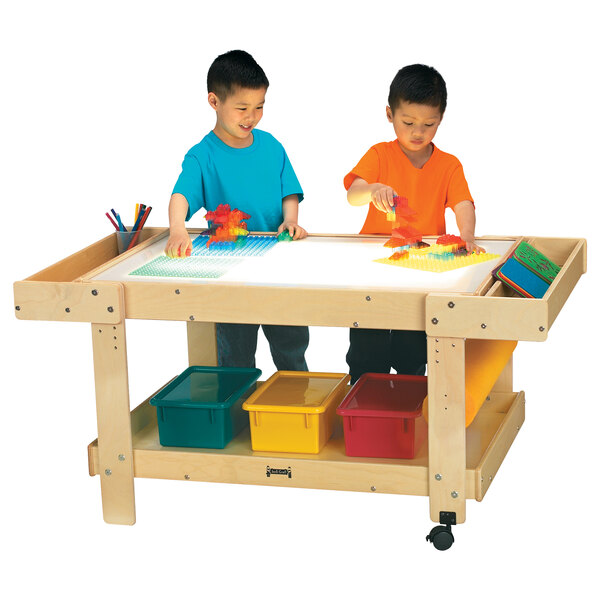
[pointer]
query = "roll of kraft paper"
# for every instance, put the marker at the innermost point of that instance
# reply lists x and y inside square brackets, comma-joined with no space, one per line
[484,362]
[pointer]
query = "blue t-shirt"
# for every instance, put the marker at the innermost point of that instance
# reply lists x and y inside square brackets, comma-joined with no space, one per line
[253,179]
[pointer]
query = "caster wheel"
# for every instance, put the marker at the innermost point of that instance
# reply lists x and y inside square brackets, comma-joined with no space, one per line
[441,537]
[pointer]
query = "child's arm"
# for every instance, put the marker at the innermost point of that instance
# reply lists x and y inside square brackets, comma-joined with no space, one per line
[290,218]
[382,196]
[465,219]
[179,240]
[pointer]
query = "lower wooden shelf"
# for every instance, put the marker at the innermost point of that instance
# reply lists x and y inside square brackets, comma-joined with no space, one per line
[489,438]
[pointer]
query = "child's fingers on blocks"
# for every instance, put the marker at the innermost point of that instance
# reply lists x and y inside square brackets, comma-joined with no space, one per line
[173,250]
[178,249]
[383,199]
[390,197]
[181,251]
[380,204]
[389,201]
[473,247]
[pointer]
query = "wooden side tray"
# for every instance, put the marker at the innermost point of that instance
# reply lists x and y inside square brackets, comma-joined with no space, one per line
[62,293]
[497,313]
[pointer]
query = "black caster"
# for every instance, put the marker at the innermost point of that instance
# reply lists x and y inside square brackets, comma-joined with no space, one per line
[441,537]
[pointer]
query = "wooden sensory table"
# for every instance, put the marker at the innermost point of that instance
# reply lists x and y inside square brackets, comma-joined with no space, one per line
[455,465]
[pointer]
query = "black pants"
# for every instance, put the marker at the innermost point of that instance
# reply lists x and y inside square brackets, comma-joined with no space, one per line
[379,350]
[236,345]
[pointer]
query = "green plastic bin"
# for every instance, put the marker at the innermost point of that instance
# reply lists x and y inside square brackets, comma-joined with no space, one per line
[202,407]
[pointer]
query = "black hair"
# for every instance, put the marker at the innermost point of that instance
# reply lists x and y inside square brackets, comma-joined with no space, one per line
[418,84]
[234,69]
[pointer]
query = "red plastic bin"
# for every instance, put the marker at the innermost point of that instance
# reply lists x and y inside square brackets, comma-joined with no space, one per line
[379,415]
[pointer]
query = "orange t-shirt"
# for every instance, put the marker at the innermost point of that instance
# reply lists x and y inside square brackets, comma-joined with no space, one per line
[440,184]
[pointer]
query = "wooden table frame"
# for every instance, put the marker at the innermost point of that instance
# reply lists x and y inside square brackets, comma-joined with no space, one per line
[455,465]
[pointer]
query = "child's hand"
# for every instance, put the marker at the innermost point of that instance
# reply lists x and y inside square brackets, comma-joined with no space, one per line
[179,244]
[382,197]
[473,247]
[293,229]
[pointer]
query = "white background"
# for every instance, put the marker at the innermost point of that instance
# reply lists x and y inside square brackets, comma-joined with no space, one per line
[100,102]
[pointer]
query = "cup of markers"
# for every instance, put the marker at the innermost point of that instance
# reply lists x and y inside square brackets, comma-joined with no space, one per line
[127,239]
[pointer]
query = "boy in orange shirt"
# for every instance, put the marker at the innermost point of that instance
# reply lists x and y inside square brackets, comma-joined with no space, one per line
[432,180]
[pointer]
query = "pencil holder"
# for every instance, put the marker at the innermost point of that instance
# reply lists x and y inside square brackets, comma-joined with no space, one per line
[125,239]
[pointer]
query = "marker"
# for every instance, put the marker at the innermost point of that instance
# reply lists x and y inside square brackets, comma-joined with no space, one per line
[112,221]
[118,218]
[137,233]
[138,219]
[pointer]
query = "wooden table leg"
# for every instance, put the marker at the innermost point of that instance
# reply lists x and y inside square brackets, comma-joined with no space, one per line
[115,451]
[446,420]
[202,344]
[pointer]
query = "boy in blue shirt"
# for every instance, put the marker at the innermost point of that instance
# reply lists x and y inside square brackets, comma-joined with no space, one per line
[248,169]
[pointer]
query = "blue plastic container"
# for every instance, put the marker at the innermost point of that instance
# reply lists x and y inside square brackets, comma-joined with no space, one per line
[202,407]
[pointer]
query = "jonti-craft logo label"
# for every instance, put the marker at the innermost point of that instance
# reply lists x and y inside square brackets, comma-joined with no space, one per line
[273,471]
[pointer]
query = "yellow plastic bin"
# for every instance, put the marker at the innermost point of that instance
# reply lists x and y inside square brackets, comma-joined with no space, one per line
[294,411]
